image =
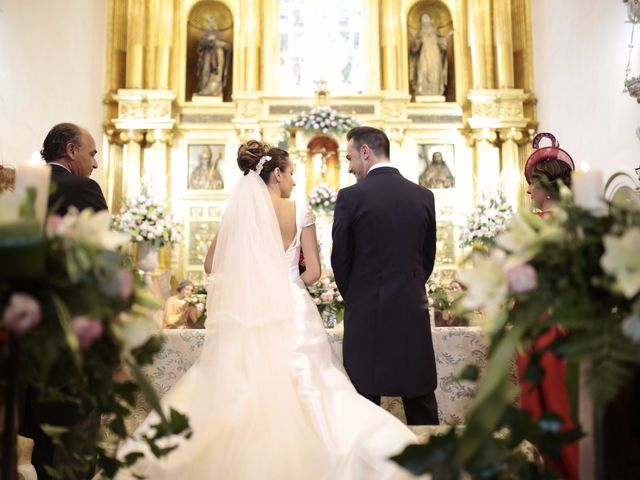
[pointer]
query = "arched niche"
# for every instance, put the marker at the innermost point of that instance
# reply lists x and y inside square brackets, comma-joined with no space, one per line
[198,24]
[442,19]
[322,163]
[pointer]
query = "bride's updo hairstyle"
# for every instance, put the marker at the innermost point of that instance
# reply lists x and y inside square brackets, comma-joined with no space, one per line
[251,152]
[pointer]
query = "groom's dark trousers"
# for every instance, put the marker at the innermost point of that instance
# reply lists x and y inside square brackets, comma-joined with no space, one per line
[384,244]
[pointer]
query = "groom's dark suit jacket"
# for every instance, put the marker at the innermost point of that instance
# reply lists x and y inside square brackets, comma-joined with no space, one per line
[384,244]
[72,190]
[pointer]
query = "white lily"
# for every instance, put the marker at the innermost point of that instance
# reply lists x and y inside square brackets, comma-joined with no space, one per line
[621,260]
[95,229]
[487,285]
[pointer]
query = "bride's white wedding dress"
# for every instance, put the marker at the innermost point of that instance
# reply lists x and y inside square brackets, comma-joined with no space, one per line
[268,399]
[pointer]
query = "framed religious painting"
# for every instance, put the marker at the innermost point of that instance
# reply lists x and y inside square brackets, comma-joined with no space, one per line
[205,167]
[436,166]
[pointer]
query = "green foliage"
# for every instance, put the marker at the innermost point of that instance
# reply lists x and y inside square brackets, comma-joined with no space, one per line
[85,279]
[573,294]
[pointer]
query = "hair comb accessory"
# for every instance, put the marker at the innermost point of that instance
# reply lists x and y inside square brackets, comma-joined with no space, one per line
[264,159]
[541,154]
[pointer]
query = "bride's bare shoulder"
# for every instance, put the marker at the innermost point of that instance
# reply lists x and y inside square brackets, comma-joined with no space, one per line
[284,204]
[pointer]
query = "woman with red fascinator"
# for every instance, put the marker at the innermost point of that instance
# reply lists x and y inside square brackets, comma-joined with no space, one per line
[546,169]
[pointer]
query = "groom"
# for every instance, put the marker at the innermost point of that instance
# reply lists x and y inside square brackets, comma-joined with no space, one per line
[384,244]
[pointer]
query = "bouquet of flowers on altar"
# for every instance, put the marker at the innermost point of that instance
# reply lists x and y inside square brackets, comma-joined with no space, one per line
[145,220]
[325,294]
[323,120]
[442,297]
[488,220]
[323,198]
[198,300]
[74,311]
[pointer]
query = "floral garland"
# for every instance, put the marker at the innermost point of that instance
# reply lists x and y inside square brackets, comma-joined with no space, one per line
[321,120]
[81,322]
[488,220]
[323,198]
[573,270]
[144,219]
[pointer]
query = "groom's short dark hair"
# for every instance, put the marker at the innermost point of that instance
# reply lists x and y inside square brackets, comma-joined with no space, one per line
[375,139]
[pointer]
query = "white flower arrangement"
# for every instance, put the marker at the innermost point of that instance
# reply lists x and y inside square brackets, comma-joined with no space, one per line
[323,198]
[488,220]
[323,120]
[144,219]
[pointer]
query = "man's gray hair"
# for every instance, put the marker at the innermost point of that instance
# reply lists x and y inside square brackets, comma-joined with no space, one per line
[56,141]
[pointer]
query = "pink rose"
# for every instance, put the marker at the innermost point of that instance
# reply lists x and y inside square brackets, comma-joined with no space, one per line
[317,301]
[22,314]
[522,279]
[87,329]
[325,283]
[125,278]
[326,296]
[340,299]
[55,226]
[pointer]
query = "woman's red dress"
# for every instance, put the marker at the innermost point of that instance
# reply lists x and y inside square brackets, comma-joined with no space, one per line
[550,395]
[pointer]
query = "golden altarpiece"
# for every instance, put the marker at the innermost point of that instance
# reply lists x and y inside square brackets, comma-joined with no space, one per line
[188,80]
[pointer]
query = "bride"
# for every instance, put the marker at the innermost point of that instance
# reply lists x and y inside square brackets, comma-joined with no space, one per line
[267,398]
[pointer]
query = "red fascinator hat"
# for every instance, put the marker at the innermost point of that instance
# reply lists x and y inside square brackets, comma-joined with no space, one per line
[539,155]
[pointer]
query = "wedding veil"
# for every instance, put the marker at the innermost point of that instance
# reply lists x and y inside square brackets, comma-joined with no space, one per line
[241,391]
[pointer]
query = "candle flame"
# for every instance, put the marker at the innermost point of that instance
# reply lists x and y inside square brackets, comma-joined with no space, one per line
[584,166]
[35,159]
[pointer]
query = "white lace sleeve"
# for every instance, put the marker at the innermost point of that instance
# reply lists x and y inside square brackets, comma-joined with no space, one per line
[308,217]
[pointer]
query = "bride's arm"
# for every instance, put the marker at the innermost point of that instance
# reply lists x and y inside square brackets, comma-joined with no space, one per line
[208,260]
[309,243]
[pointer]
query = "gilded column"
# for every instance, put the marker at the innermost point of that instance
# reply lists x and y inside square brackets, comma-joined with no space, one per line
[253,39]
[151,42]
[165,40]
[487,26]
[114,172]
[511,169]
[135,44]
[388,45]
[155,165]
[486,160]
[131,156]
[477,45]
[504,42]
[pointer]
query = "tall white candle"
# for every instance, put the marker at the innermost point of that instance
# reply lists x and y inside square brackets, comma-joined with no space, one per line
[588,190]
[36,174]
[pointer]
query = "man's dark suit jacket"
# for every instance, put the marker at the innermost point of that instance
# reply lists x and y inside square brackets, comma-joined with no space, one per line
[384,244]
[71,190]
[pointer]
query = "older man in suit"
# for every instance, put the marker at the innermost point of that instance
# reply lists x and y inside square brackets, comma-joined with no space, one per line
[70,151]
[384,243]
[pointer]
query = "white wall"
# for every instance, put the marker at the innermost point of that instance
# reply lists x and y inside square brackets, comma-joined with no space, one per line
[580,55]
[52,70]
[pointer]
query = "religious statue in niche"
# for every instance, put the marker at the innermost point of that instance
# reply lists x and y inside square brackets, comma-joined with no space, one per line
[213,61]
[428,59]
[436,173]
[203,172]
[322,165]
